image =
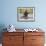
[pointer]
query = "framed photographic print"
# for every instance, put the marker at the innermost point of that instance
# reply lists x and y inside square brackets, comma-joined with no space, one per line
[26,14]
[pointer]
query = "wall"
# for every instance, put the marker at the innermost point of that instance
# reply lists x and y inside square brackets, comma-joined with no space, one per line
[8,13]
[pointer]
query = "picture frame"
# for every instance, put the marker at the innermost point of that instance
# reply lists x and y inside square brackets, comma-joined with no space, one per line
[26,14]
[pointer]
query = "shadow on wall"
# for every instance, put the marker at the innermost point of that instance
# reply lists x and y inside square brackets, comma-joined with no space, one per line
[2,26]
